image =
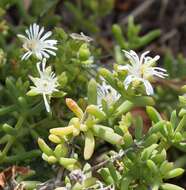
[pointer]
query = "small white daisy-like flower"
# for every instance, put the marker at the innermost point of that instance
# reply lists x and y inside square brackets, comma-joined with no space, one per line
[37,43]
[81,37]
[106,92]
[142,70]
[45,85]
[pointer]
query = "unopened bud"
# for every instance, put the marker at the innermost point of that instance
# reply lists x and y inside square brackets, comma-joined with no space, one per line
[72,105]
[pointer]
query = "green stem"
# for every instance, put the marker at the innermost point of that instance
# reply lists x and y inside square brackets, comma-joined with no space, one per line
[8,145]
[19,123]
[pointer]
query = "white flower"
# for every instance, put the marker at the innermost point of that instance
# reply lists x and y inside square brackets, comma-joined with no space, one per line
[106,92]
[45,85]
[36,43]
[81,37]
[142,70]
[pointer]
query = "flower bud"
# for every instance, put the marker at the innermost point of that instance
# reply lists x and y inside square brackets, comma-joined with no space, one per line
[45,157]
[84,52]
[67,161]
[94,110]
[72,105]
[44,147]
[54,138]
[52,160]
[62,131]
[60,151]
[75,122]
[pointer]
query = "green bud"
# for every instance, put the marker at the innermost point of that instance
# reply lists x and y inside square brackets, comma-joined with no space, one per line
[67,161]
[54,138]
[23,103]
[44,147]
[45,157]
[75,122]
[60,151]
[62,131]
[84,52]
[52,160]
[94,110]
